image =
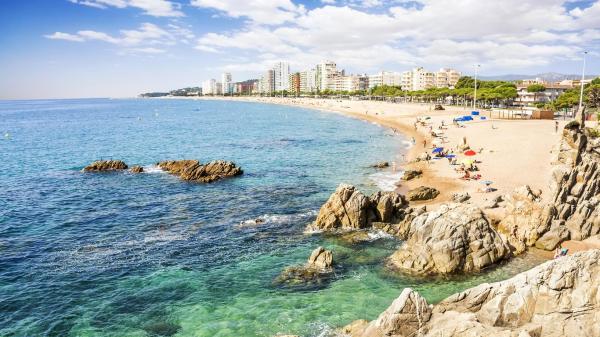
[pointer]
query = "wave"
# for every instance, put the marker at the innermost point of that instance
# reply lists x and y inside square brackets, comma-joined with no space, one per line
[277,219]
[386,181]
[153,169]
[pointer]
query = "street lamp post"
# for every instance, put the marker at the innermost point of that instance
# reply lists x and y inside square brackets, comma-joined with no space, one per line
[475,93]
[582,79]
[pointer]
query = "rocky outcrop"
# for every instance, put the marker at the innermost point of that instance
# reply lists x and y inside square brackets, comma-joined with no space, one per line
[314,272]
[105,165]
[136,169]
[460,197]
[422,193]
[347,209]
[557,298]
[455,238]
[193,170]
[411,174]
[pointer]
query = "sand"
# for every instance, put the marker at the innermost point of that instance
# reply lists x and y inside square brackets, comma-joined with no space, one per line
[512,152]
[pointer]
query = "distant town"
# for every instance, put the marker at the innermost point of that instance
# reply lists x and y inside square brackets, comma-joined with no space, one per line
[447,86]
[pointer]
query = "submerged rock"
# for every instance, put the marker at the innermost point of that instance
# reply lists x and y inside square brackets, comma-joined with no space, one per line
[192,170]
[136,169]
[422,193]
[382,164]
[105,165]
[455,238]
[557,298]
[316,270]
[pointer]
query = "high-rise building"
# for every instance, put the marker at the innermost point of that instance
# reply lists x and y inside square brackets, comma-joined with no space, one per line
[209,87]
[308,81]
[351,83]
[326,74]
[226,84]
[266,84]
[295,83]
[281,73]
[417,79]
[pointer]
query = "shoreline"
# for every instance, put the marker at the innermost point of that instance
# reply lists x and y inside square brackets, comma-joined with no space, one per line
[512,153]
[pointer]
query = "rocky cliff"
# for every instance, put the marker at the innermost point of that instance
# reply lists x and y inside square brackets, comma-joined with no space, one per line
[558,298]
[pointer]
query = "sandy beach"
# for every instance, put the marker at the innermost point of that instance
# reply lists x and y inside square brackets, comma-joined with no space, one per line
[511,153]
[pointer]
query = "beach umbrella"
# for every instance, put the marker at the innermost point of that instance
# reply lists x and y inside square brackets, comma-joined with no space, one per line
[470,153]
[487,182]
[437,149]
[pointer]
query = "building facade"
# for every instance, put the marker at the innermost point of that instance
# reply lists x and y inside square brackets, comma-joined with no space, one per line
[281,76]
[308,81]
[226,84]
[295,83]
[551,92]
[385,78]
[209,87]
[446,78]
[266,84]
[326,74]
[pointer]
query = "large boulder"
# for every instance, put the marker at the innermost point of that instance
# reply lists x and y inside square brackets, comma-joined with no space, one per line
[558,298]
[347,209]
[422,193]
[105,165]
[136,169]
[193,170]
[455,238]
[411,174]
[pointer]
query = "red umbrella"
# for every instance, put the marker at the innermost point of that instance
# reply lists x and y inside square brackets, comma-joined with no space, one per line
[470,153]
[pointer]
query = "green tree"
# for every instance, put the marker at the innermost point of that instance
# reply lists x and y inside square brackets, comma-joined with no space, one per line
[595,81]
[593,96]
[535,89]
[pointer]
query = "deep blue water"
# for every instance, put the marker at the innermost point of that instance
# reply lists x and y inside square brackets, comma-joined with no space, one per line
[119,254]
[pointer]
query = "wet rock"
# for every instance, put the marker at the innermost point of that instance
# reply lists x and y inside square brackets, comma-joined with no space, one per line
[316,270]
[455,238]
[382,164]
[460,197]
[411,174]
[422,193]
[193,170]
[136,169]
[105,165]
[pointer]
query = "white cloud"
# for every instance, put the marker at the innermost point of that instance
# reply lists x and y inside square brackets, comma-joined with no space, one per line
[64,36]
[269,12]
[146,34]
[158,8]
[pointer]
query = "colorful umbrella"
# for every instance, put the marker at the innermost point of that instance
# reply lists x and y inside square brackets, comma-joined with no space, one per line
[470,153]
[437,149]
[450,155]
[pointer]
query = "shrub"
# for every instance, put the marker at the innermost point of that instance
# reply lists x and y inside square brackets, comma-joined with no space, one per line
[592,132]
[572,125]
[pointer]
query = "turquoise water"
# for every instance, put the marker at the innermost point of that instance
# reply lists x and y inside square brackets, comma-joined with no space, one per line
[149,255]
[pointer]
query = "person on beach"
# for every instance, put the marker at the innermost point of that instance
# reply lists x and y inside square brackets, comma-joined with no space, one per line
[555,126]
[424,143]
[414,141]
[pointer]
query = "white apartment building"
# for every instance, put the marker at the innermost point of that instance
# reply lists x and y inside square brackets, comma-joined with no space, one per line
[417,79]
[385,78]
[226,84]
[281,72]
[351,83]
[446,78]
[326,75]
[308,80]
[209,87]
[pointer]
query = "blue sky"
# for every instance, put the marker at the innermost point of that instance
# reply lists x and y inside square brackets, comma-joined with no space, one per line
[118,48]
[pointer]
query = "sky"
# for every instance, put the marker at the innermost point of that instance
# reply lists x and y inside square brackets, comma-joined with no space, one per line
[120,48]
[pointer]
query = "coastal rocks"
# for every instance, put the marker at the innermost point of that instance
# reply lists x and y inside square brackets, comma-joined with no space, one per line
[525,220]
[381,165]
[460,197]
[411,174]
[422,193]
[192,170]
[455,238]
[136,169]
[317,268]
[557,298]
[405,317]
[347,209]
[105,165]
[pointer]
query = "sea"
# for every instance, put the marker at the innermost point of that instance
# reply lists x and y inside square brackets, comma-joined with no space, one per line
[121,254]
